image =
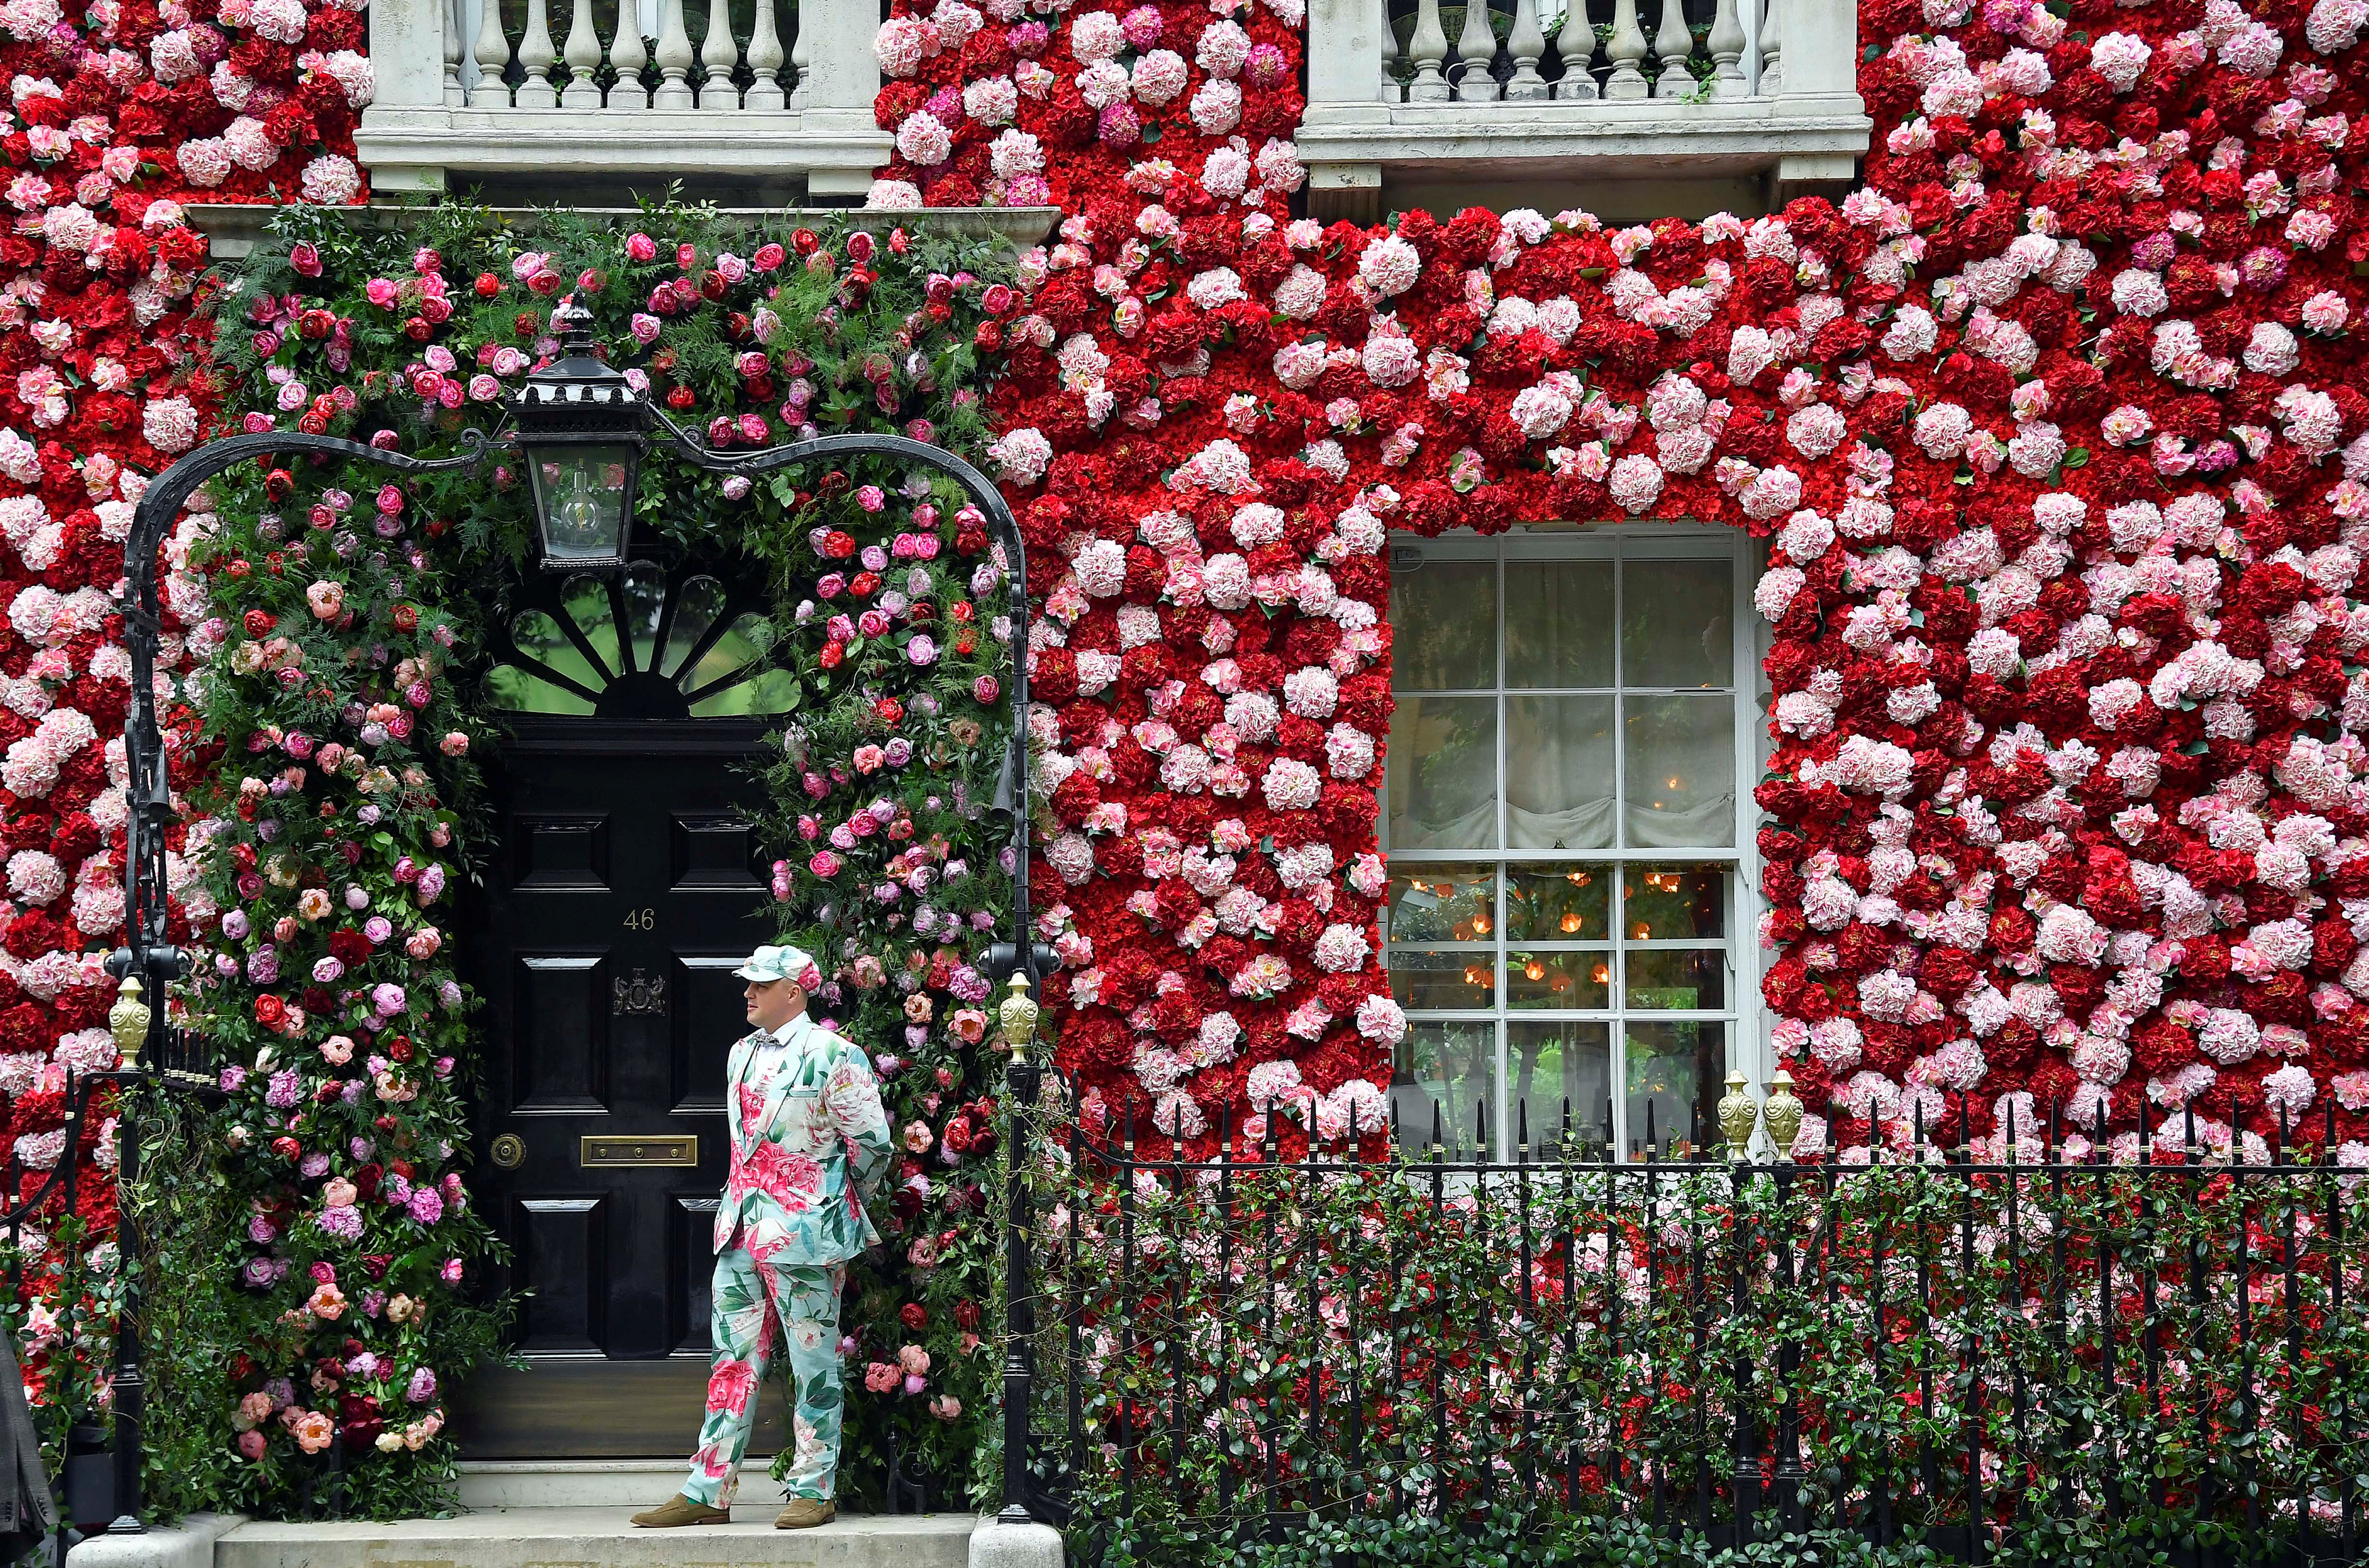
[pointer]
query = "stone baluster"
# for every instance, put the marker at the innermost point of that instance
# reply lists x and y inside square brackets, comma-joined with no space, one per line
[1575,41]
[537,55]
[765,57]
[493,52]
[1671,47]
[1527,45]
[629,54]
[718,55]
[1726,45]
[1429,48]
[1772,43]
[674,61]
[582,53]
[1476,51]
[801,59]
[453,95]
[1627,52]
[1389,90]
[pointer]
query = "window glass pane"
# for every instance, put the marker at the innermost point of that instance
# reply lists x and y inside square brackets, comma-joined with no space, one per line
[1558,979]
[586,601]
[1680,768]
[1558,624]
[1446,1077]
[1428,978]
[1443,774]
[1673,1072]
[763,691]
[701,602]
[1671,903]
[645,597]
[1440,903]
[538,637]
[1566,903]
[1444,626]
[1677,624]
[1552,1066]
[515,689]
[1558,772]
[735,650]
[1679,980]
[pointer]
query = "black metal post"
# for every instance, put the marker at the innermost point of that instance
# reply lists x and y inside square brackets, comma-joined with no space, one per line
[131,1401]
[1021,1081]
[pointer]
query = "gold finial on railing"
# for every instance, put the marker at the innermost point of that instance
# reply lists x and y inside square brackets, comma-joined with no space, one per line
[1018,1015]
[1783,1112]
[1737,1115]
[128,1020]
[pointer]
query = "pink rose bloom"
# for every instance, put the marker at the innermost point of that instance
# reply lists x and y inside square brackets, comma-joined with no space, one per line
[880,1377]
[824,865]
[641,247]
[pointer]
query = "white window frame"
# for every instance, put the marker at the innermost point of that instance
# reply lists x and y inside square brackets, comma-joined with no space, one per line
[1748,1043]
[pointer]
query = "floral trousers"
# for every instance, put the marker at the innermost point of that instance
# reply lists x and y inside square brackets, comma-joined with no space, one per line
[755,1297]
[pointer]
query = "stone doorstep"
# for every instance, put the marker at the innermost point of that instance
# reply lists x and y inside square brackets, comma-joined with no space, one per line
[632,1484]
[601,1538]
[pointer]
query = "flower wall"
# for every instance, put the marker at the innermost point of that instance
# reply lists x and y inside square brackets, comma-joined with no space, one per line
[2050,430]
[115,114]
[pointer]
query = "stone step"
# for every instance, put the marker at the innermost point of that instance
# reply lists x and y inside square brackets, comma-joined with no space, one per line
[598,1483]
[601,1537]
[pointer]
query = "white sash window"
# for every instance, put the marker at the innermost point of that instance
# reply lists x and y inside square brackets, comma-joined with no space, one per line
[1563,823]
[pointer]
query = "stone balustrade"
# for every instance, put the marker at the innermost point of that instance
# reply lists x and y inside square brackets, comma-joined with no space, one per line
[776,92]
[1519,93]
[766,91]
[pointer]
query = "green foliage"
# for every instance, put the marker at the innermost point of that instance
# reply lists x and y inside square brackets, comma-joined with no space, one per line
[1398,1362]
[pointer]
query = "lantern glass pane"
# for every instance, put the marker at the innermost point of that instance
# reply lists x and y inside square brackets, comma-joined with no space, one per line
[579,496]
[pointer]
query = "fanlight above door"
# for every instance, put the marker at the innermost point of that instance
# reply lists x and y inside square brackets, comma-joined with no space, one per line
[651,643]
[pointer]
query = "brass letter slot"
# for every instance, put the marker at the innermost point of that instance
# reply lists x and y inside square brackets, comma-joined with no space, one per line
[665,1149]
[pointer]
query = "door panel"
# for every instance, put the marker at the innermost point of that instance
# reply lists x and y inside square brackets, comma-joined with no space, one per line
[560,1033]
[624,892]
[561,1267]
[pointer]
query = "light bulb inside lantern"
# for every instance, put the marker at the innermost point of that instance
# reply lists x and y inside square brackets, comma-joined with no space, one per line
[1571,920]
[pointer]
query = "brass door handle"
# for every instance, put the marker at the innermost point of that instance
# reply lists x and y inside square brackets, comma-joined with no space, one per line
[509,1151]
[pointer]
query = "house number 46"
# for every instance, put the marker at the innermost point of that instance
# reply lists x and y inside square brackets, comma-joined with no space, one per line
[641,919]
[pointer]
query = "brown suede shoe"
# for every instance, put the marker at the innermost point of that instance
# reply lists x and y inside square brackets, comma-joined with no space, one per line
[680,1510]
[804,1513]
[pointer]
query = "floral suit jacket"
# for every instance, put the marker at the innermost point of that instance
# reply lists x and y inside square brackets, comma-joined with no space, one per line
[809,1146]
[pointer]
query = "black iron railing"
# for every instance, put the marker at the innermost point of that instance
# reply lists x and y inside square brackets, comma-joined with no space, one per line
[1898,1344]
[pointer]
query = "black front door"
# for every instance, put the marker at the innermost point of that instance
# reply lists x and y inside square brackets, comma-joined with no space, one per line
[625,888]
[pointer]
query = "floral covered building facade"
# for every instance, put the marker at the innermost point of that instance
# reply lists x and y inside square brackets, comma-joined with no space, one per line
[1510,655]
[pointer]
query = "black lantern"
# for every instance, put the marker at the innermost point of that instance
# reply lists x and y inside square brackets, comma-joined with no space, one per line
[580,426]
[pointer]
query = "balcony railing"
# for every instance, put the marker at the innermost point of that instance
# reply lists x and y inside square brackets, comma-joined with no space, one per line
[762,90]
[1530,89]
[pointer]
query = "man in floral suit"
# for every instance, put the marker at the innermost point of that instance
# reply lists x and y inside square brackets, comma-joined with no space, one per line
[809,1146]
